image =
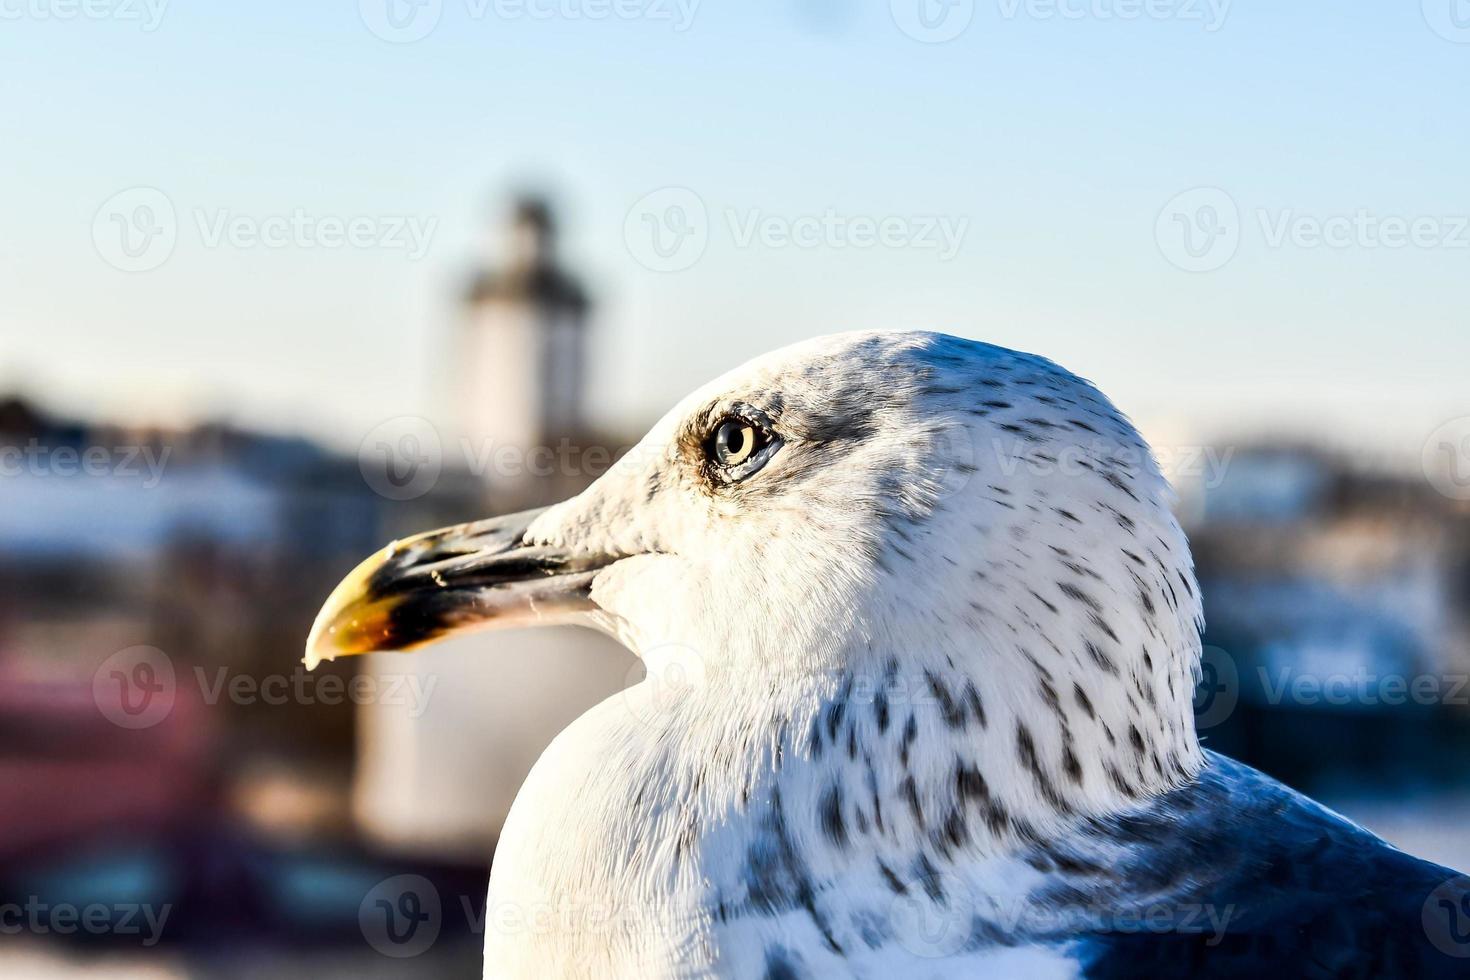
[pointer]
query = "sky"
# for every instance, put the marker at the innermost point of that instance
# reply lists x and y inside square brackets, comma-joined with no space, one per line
[1234,217]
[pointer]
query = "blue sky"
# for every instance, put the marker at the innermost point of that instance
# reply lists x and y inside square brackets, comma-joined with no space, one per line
[1054,137]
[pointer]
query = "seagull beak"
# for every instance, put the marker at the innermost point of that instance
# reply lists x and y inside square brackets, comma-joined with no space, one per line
[468,577]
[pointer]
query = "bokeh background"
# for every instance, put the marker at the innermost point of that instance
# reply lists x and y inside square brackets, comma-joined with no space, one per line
[280,282]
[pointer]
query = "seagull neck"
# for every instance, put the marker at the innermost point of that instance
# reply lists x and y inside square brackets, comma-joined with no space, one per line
[967,757]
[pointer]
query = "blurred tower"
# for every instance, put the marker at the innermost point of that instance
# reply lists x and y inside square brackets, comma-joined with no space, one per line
[521,363]
[437,772]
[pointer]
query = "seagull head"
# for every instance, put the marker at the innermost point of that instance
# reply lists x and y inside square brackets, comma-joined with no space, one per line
[866,510]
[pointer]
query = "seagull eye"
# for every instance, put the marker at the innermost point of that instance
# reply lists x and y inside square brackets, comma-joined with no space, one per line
[735,441]
[739,446]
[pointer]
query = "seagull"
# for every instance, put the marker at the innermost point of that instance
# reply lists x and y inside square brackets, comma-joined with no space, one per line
[921,635]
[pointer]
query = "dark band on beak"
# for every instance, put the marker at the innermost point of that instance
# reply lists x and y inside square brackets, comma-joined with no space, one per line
[470,576]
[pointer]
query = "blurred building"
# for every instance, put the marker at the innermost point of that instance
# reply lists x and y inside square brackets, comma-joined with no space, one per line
[443,781]
[1333,590]
[520,361]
